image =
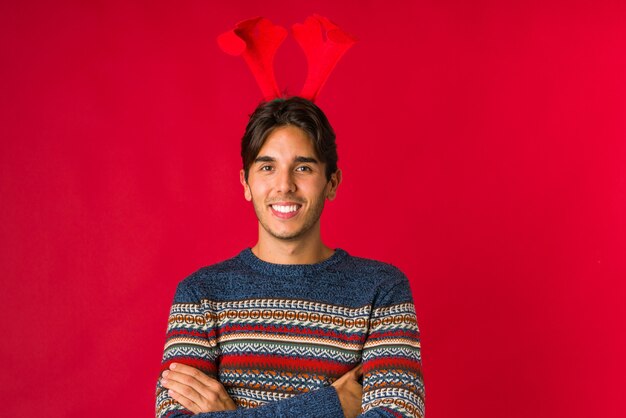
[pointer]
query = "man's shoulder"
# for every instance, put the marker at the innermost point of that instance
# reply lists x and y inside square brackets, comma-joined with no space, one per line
[373,274]
[210,275]
[222,267]
[386,281]
[368,266]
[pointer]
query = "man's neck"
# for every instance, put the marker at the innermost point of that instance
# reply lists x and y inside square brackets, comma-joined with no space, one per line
[277,251]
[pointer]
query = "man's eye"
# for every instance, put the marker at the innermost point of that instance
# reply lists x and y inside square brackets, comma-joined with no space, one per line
[303,168]
[266,168]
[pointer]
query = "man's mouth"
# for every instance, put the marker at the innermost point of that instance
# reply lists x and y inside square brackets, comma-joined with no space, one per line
[285,211]
[285,208]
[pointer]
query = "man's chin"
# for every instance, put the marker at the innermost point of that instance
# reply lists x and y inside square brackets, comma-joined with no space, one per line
[286,236]
[298,232]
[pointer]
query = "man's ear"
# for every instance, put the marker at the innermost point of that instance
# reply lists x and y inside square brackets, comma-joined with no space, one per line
[333,184]
[246,189]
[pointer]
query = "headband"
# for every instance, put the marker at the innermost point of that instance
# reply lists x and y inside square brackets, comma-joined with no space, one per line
[256,40]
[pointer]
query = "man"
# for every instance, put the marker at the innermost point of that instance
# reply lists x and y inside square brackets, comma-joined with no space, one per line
[290,327]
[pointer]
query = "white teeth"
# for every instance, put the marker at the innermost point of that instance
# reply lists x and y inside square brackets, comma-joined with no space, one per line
[285,209]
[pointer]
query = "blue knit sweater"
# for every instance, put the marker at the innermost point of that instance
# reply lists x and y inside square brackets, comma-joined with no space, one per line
[277,336]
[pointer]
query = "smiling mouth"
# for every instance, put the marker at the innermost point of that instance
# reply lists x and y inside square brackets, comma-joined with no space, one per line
[285,208]
[285,211]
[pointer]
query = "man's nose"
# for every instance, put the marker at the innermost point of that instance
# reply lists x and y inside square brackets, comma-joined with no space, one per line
[285,182]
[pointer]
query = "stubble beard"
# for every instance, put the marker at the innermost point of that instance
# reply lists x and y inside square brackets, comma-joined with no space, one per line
[312,218]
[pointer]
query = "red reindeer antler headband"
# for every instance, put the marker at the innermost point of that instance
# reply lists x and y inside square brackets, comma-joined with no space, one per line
[258,39]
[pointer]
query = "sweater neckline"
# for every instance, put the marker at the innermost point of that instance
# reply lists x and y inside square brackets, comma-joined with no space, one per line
[248,257]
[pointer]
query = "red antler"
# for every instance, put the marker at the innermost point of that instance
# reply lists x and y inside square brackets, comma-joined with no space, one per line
[256,40]
[324,43]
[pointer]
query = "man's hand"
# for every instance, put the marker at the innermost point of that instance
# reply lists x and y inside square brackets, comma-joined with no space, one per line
[195,390]
[350,392]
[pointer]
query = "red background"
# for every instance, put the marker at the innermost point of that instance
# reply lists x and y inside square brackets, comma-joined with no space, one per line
[483,149]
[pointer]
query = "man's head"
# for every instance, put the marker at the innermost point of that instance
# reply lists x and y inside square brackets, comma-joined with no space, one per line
[297,112]
[290,168]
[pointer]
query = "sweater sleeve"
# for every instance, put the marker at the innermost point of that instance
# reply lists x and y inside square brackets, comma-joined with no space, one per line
[192,340]
[392,375]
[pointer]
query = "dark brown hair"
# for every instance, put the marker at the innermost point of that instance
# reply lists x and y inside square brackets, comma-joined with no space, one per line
[295,111]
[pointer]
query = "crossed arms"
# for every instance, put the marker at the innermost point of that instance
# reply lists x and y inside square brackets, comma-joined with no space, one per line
[200,393]
[390,366]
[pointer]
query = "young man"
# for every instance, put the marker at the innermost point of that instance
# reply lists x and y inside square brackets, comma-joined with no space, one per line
[291,327]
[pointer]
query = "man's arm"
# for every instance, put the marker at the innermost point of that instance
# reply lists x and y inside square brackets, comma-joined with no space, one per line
[199,393]
[192,341]
[392,375]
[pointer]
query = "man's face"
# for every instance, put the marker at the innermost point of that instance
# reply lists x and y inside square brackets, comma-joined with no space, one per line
[287,185]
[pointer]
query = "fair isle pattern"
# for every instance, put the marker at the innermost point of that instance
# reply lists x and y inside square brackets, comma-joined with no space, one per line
[395,382]
[291,330]
[246,398]
[298,350]
[273,381]
[288,325]
[266,350]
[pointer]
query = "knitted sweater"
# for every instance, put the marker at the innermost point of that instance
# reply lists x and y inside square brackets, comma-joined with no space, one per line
[277,336]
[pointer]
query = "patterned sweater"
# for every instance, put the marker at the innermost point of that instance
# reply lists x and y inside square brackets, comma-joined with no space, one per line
[277,336]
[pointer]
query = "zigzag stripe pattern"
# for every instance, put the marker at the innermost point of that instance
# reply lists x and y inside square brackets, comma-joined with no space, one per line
[393,378]
[399,308]
[245,398]
[259,395]
[296,351]
[183,351]
[392,352]
[292,339]
[285,304]
[276,381]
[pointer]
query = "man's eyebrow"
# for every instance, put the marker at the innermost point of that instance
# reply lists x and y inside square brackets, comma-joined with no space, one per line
[312,160]
[264,159]
[298,159]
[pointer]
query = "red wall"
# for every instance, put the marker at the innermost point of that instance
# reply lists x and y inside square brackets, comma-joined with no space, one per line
[483,149]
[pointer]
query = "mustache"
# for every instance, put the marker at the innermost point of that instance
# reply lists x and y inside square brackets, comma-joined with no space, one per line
[286,198]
